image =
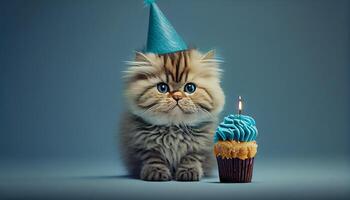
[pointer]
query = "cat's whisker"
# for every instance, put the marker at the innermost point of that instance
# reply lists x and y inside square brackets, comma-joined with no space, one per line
[205,111]
[150,109]
[154,107]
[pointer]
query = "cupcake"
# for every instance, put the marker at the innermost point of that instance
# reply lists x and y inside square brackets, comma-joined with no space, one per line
[235,148]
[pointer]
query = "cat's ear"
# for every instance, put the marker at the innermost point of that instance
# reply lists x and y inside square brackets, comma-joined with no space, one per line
[141,57]
[210,55]
[210,63]
[210,58]
[141,67]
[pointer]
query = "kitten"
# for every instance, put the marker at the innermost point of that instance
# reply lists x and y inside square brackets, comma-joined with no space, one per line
[174,100]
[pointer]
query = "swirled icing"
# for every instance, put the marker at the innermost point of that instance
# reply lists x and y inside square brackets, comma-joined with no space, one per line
[236,127]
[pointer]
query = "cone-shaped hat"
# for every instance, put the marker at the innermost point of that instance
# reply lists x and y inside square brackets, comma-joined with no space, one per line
[162,37]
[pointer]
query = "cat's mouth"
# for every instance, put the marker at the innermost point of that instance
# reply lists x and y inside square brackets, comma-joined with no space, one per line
[179,108]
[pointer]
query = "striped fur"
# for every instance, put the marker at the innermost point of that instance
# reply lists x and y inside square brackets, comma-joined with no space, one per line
[164,139]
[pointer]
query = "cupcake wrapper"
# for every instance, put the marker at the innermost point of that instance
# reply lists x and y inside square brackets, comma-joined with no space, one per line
[235,170]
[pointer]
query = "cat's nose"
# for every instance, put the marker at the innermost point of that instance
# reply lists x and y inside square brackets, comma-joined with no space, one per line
[177,95]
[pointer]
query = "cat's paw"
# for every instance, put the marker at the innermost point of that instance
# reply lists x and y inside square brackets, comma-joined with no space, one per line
[189,174]
[155,173]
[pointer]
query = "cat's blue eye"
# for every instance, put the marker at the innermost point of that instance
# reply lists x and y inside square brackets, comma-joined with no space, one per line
[190,88]
[163,87]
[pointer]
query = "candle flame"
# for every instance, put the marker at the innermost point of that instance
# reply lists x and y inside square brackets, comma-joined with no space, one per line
[240,105]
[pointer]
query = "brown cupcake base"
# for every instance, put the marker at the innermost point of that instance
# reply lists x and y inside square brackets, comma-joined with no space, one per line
[235,170]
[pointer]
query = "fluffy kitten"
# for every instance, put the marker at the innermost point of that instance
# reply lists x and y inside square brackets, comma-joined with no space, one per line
[174,100]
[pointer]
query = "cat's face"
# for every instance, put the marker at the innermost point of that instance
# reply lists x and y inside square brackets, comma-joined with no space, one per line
[177,88]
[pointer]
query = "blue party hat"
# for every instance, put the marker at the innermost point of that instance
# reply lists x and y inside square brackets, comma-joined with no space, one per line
[162,37]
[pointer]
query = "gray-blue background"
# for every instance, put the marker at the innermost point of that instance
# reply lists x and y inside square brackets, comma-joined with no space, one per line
[61,64]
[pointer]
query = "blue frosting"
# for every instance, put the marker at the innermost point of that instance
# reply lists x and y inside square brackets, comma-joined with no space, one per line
[236,127]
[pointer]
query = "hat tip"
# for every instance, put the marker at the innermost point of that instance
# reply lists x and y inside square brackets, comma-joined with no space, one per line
[148,2]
